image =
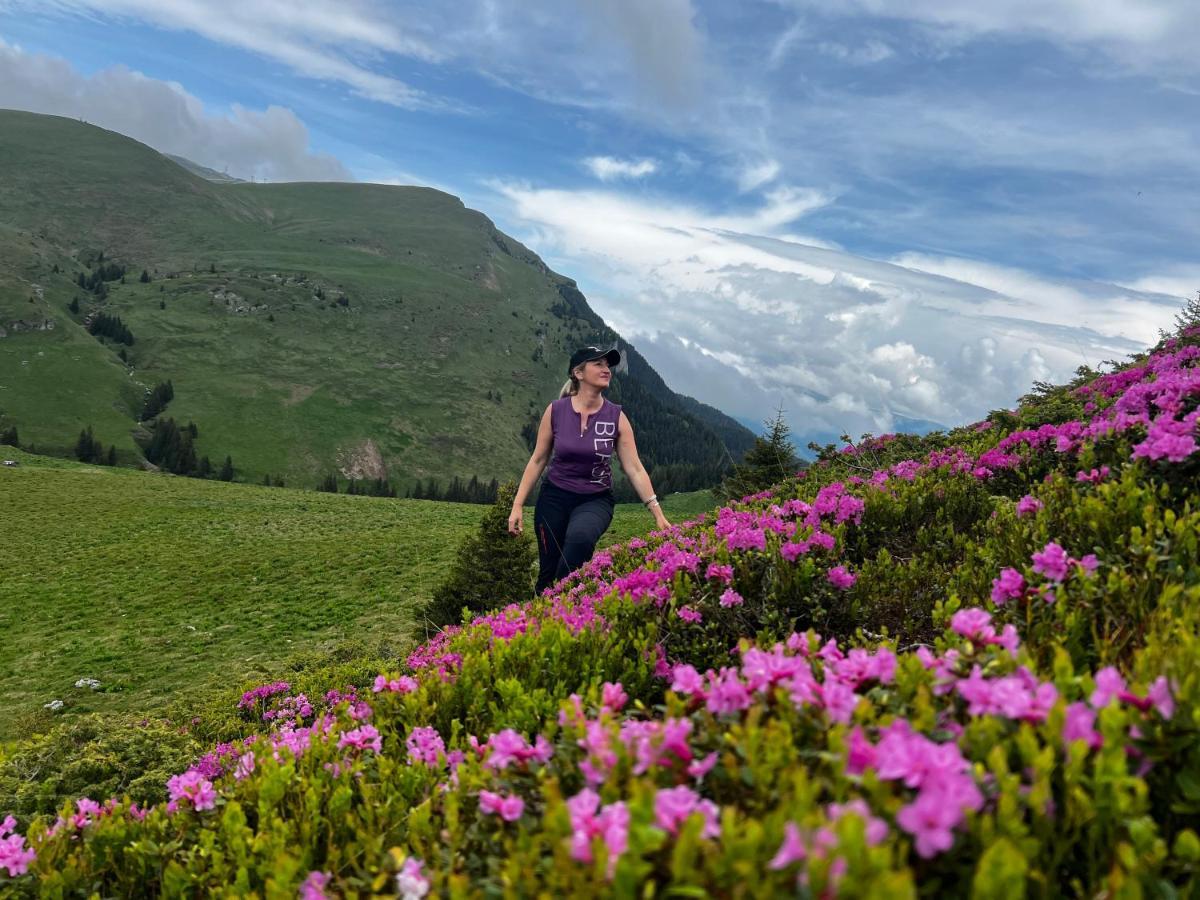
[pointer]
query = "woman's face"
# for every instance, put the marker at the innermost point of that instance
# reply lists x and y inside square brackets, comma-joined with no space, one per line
[595,372]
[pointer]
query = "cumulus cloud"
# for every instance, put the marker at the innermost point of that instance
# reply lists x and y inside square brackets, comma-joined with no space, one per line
[608,168]
[749,322]
[270,144]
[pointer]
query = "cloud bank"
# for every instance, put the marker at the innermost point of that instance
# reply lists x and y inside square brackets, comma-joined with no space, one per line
[749,322]
[270,144]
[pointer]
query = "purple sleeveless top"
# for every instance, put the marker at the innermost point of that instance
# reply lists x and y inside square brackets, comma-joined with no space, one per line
[581,461]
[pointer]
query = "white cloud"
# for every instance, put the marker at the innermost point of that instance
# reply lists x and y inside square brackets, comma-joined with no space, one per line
[608,168]
[315,40]
[270,144]
[1141,33]
[757,174]
[872,51]
[1174,281]
[747,322]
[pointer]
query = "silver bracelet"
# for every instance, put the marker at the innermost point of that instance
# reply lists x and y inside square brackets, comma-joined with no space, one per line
[653,499]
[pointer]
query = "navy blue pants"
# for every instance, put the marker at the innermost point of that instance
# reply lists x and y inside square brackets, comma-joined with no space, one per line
[567,526]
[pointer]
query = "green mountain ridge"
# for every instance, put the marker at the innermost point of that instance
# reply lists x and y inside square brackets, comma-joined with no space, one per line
[375,330]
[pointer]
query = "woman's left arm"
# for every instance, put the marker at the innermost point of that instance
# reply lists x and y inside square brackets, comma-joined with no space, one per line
[635,471]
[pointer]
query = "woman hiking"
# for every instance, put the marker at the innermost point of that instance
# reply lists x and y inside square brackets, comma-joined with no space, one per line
[575,504]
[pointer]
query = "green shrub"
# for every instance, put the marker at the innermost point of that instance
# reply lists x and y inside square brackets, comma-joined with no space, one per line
[492,568]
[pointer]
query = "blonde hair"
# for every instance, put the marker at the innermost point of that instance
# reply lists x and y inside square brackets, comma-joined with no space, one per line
[570,387]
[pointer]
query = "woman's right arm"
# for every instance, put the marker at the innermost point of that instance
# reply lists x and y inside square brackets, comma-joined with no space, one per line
[533,471]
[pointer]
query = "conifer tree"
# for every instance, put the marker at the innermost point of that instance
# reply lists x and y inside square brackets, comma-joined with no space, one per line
[330,484]
[87,449]
[145,279]
[74,306]
[227,469]
[771,460]
[111,460]
[492,569]
[204,468]
[9,436]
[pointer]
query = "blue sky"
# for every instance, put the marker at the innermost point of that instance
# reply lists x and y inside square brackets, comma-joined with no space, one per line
[870,212]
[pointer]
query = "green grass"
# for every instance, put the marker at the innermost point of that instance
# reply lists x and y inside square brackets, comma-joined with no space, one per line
[169,589]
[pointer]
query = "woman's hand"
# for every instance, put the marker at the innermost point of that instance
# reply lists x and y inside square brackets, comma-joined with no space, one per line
[516,521]
[659,519]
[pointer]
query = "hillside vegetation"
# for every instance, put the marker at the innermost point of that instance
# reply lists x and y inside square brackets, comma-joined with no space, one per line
[373,330]
[166,589]
[963,664]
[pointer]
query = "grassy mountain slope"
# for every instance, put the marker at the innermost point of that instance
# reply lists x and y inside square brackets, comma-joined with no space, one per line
[305,327]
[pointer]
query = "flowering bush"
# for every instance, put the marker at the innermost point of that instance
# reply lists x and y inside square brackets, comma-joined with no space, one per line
[941,665]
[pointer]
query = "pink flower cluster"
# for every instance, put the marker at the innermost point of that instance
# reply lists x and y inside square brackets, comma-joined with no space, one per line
[193,788]
[262,692]
[365,737]
[411,880]
[508,747]
[508,808]
[800,844]
[674,806]
[15,857]
[732,689]
[939,772]
[405,684]
[591,820]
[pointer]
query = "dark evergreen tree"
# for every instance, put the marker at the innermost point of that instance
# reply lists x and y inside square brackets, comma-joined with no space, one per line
[74,306]
[330,484]
[87,448]
[111,327]
[9,436]
[204,468]
[157,400]
[492,569]
[227,469]
[162,304]
[771,460]
[145,279]
[111,459]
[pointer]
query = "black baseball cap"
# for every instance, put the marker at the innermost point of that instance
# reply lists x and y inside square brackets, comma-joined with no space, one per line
[586,354]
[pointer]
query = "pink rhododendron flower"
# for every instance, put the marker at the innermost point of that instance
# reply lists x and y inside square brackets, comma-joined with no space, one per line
[403,685]
[792,850]
[193,787]
[1160,695]
[686,680]
[314,885]
[425,746]
[613,696]
[929,819]
[690,615]
[673,807]
[719,572]
[1009,586]
[1109,684]
[702,767]
[731,598]
[1028,505]
[589,820]
[1088,563]
[245,765]
[411,881]
[15,857]
[1052,562]
[972,623]
[840,578]
[1079,725]
[365,737]
[508,808]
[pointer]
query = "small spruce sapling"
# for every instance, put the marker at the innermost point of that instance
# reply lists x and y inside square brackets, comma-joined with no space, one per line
[492,569]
